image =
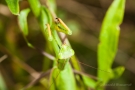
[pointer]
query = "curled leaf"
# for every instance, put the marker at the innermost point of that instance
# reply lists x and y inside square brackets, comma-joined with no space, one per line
[24,25]
[109,37]
[117,72]
[23,21]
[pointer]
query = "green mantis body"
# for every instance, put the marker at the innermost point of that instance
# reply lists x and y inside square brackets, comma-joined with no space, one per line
[63,52]
[63,68]
[64,55]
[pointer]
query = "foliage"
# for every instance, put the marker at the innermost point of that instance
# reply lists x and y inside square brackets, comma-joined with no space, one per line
[53,29]
[109,36]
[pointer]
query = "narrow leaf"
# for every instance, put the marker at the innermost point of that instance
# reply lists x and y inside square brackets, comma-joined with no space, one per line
[89,82]
[35,6]
[23,21]
[24,25]
[117,72]
[13,6]
[45,21]
[109,36]
[2,83]
[49,16]
[63,80]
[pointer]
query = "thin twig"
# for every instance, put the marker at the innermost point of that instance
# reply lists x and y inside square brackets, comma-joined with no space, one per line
[3,58]
[82,73]
[64,39]
[26,67]
[37,79]
[49,56]
[93,67]
[52,12]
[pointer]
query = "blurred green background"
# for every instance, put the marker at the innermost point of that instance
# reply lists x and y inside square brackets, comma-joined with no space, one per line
[84,18]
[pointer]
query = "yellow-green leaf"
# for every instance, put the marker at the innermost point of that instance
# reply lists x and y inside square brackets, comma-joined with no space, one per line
[2,83]
[89,82]
[109,36]
[35,6]
[63,80]
[23,21]
[13,6]
[45,21]
[117,72]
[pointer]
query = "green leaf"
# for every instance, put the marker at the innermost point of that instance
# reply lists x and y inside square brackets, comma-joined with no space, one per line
[29,44]
[45,16]
[65,52]
[13,6]
[45,21]
[89,82]
[24,25]
[35,6]
[52,5]
[23,21]
[2,83]
[117,72]
[109,36]
[49,16]
[63,80]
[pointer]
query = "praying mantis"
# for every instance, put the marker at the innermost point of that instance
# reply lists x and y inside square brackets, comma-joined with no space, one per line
[63,51]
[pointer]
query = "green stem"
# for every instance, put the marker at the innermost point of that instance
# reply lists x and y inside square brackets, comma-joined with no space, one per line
[35,6]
